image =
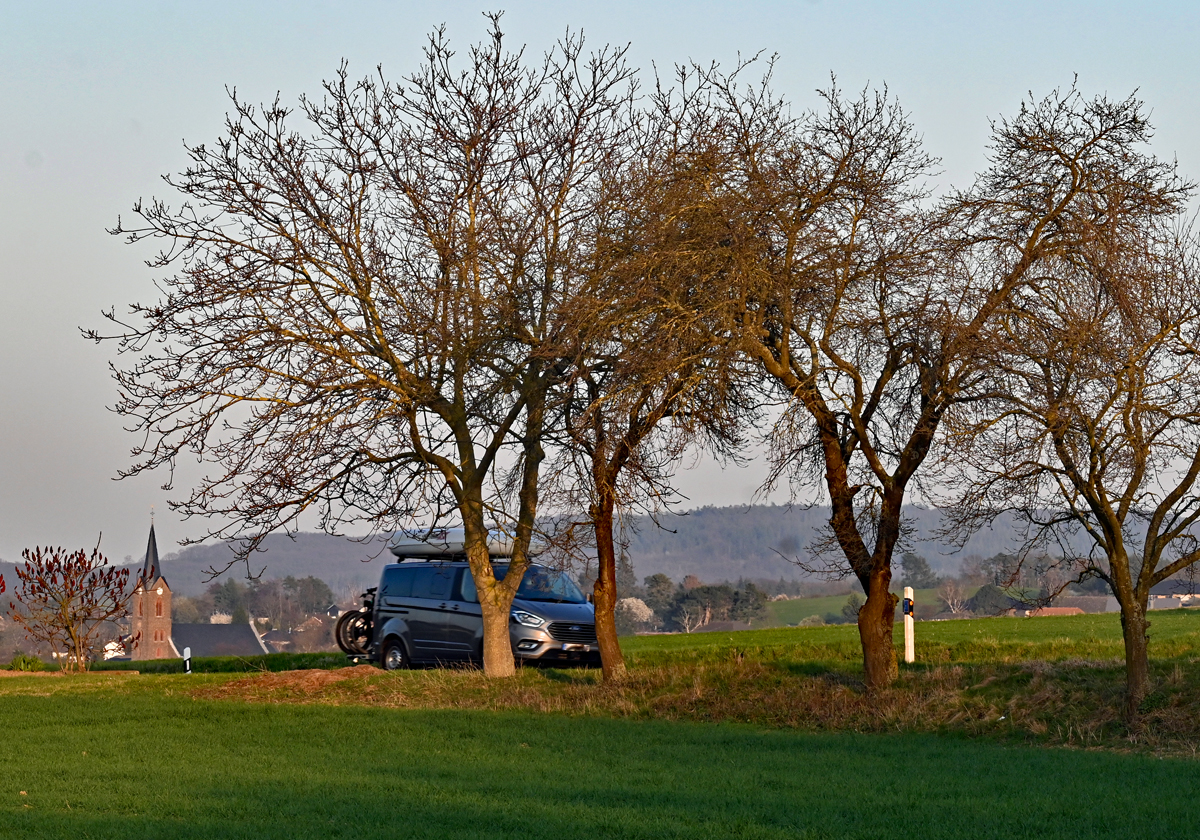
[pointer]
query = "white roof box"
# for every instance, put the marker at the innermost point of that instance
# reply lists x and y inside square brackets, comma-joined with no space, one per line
[445,542]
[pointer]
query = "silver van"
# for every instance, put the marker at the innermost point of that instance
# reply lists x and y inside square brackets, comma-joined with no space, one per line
[427,611]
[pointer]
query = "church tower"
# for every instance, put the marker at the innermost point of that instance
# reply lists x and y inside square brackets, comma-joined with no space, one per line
[150,609]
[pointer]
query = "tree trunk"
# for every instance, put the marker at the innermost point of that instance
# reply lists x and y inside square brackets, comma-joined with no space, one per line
[495,599]
[875,621]
[1137,657]
[605,590]
[498,658]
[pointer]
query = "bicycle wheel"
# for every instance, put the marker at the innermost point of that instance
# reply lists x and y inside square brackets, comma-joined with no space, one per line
[353,633]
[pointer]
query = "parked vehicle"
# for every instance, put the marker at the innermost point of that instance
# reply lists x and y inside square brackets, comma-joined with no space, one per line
[426,610]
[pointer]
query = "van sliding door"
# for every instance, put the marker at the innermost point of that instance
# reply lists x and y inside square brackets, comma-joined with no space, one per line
[430,602]
[464,622]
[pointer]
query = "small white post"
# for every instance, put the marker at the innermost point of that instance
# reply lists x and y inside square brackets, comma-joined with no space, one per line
[187,660]
[910,652]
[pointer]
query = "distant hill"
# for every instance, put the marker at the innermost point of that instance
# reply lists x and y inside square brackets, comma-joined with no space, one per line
[347,565]
[713,543]
[716,543]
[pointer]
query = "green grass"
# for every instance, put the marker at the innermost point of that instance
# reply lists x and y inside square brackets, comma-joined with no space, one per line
[755,734]
[785,613]
[792,612]
[1173,634]
[136,757]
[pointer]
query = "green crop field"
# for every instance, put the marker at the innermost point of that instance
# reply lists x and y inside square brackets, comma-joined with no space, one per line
[1173,633]
[757,734]
[792,612]
[118,760]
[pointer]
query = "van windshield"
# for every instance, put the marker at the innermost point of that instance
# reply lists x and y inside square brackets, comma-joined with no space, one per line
[542,584]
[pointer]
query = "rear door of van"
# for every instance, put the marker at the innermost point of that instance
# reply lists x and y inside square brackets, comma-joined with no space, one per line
[394,598]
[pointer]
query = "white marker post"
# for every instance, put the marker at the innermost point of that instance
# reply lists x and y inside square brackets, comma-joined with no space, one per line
[187,660]
[910,645]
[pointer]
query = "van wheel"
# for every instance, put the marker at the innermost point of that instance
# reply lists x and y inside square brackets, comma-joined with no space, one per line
[394,657]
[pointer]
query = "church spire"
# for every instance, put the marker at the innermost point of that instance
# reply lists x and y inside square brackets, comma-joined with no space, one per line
[151,568]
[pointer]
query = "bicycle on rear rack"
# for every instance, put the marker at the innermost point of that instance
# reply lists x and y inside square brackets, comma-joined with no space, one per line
[353,630]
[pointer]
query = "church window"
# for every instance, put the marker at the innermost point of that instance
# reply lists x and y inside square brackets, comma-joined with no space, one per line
[139,606]
[158,607]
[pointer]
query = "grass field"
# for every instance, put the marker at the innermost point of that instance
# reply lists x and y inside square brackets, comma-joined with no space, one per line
[792,612]
[119,760]
[1174,634]
[759,734]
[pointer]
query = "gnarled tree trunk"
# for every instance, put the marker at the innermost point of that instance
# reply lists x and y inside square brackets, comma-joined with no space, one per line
[605,589]
[875,622]
[1135,628]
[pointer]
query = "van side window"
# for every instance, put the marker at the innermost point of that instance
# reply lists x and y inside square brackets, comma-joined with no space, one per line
[398,582]
[432,582]
[466,588]
[443,581]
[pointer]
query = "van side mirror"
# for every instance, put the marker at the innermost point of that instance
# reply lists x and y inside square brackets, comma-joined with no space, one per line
[589,597]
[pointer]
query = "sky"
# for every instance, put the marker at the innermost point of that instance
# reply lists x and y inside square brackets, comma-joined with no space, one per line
[98,99]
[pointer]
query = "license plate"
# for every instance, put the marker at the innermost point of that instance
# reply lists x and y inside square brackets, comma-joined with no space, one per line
[575,647]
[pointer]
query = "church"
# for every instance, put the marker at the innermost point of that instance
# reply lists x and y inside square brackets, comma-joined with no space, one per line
[152,634]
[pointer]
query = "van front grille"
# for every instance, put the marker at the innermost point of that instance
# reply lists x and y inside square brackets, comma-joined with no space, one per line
[567,631]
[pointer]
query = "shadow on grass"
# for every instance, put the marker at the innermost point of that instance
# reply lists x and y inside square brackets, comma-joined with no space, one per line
[572,676]
[819,669]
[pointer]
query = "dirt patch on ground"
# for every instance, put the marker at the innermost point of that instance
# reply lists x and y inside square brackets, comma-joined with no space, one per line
[313,685]
[309,679]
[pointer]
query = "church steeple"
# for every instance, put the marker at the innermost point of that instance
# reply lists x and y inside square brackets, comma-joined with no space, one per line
[151,568]
[150,609]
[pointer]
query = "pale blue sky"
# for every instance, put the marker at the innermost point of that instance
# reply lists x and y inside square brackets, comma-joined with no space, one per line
[96,99]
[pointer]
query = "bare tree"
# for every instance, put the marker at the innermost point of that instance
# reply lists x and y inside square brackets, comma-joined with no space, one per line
[867,311]
[690,615]
[1093,420]
[953,595]
[70,601]
[835,312]
[364,320]
[653,373]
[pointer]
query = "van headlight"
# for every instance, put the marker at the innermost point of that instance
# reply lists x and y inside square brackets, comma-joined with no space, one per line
[527,618]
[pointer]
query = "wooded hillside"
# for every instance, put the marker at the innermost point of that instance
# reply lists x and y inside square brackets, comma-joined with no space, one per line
[718,543]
